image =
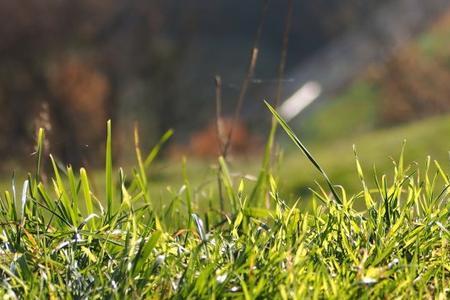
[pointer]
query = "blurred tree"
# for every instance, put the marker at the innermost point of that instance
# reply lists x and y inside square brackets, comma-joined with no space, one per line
[151,60]
[415,86]
[66,54]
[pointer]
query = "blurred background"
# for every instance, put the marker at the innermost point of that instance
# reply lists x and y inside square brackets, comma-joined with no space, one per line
[364,72]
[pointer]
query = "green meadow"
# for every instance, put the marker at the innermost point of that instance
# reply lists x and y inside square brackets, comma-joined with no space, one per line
[356,232]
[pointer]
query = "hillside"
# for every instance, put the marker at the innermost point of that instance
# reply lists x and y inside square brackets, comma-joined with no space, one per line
[426,137]
[412,84]
[377,112]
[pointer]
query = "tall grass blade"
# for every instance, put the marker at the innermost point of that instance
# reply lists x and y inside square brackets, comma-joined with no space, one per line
[305,151]
[108,171]
[39,151]
[86,192]
[23,201]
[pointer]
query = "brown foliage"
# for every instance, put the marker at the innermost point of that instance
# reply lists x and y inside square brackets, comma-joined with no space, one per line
[206,143]
[80,92]
[67,56]
[415,85]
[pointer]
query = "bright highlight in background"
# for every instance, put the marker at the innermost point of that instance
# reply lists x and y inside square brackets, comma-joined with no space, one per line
[294,105]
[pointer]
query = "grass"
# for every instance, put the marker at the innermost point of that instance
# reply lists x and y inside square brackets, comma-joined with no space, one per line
[61,239]
[331,120]
[376,148]
[424,138]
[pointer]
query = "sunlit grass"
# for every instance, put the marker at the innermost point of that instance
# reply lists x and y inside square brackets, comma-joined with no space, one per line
[63,239]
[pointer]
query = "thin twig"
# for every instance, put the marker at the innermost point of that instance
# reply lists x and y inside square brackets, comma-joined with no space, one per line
[220,136]
[249,75]
[219,124]
[284,50]
[281,69]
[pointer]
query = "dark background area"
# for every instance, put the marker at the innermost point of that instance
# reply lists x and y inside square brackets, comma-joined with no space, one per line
[68,66]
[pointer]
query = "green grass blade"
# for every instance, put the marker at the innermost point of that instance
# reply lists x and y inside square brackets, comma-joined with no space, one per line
[86,192]
[39,150]
[108,171]
[305,151]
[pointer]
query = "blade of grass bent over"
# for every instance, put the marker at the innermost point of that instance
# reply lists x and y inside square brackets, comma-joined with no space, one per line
[305,151]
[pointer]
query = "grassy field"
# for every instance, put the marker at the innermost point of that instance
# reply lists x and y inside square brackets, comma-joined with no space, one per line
[376,148]
[356,213]
[387,239]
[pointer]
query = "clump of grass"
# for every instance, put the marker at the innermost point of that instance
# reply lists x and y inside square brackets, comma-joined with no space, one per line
[62,240]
